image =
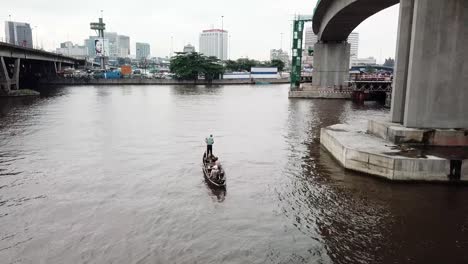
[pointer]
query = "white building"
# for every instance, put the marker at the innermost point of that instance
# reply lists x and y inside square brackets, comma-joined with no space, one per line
[119,45]
[310,38]
[363,61]
[189,48]
[142,50]
[309,42]
[123,44]
[214,42]
[353,39]
[18,33]
[76,51]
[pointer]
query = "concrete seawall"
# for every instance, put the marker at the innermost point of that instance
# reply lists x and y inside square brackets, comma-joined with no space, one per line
[315,92]
[356,149]
[156,82]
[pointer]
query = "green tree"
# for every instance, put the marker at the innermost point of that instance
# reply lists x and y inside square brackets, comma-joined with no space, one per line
[188,66]
[212,68]
[231,65]
[246,64]
[278,64]
[389,62]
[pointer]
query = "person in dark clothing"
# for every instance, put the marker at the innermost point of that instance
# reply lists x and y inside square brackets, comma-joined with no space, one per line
[455,169]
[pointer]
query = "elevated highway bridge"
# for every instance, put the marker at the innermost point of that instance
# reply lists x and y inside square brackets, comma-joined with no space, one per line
[431,73]
[25,65]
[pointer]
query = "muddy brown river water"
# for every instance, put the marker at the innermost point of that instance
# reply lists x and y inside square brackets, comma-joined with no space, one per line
[113,175]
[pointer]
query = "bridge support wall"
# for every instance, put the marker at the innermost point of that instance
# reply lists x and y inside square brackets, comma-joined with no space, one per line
[437,85]
[331,64]
[6,83]
[405,23]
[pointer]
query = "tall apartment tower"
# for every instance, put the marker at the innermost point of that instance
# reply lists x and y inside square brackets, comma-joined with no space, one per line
[142,50]
[353,39]
[309,42]
[214,42]
[123,46]
[18,33]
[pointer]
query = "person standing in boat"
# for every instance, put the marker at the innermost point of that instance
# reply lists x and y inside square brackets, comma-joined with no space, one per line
[209,145]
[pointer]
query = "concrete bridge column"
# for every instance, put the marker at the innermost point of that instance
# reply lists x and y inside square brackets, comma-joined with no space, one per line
[58,66]
[405,23]
[437,85]
[331,64]
[6,83]
[16,71]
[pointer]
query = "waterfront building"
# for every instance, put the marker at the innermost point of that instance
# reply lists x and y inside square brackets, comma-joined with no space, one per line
[279,54]
[363,61]
[18,33]
[214,42]
[142,50]
[73,50]
[189,48]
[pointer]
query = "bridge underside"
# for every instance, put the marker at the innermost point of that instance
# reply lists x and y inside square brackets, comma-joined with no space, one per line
[431,74]
[26,66]
[16,73]
[335,20]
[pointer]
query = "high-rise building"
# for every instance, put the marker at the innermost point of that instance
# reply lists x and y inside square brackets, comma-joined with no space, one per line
[309,42]
[142,50]
[214,42]
[310,38]
[189,48]
[18,33]
[353,39]
[116,45]
[89,43]
[279,54]
[113,44]
[123,46]
[119,45]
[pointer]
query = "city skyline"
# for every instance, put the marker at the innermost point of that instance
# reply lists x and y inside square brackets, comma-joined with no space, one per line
[157,23]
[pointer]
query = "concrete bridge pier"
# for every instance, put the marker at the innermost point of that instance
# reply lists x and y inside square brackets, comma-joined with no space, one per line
[405,23]
[8,83]
[58,66]
[331,64]
[430,89]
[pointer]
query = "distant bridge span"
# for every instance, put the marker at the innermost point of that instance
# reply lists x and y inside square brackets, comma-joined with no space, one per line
[26,64]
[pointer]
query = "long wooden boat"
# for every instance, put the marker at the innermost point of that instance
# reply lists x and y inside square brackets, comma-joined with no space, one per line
[207,164]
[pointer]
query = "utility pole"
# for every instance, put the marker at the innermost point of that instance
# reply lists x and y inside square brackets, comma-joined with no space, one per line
[281,43]
[172,47]
[35,31]
[229,47]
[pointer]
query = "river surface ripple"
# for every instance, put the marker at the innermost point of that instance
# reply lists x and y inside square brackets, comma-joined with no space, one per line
[113,175]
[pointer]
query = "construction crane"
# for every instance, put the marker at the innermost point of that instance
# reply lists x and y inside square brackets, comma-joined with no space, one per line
[297,48]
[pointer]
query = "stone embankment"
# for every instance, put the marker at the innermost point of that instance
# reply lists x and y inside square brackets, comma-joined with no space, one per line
[77,81]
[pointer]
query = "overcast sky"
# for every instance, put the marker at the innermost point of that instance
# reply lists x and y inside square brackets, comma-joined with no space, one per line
[255,26]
